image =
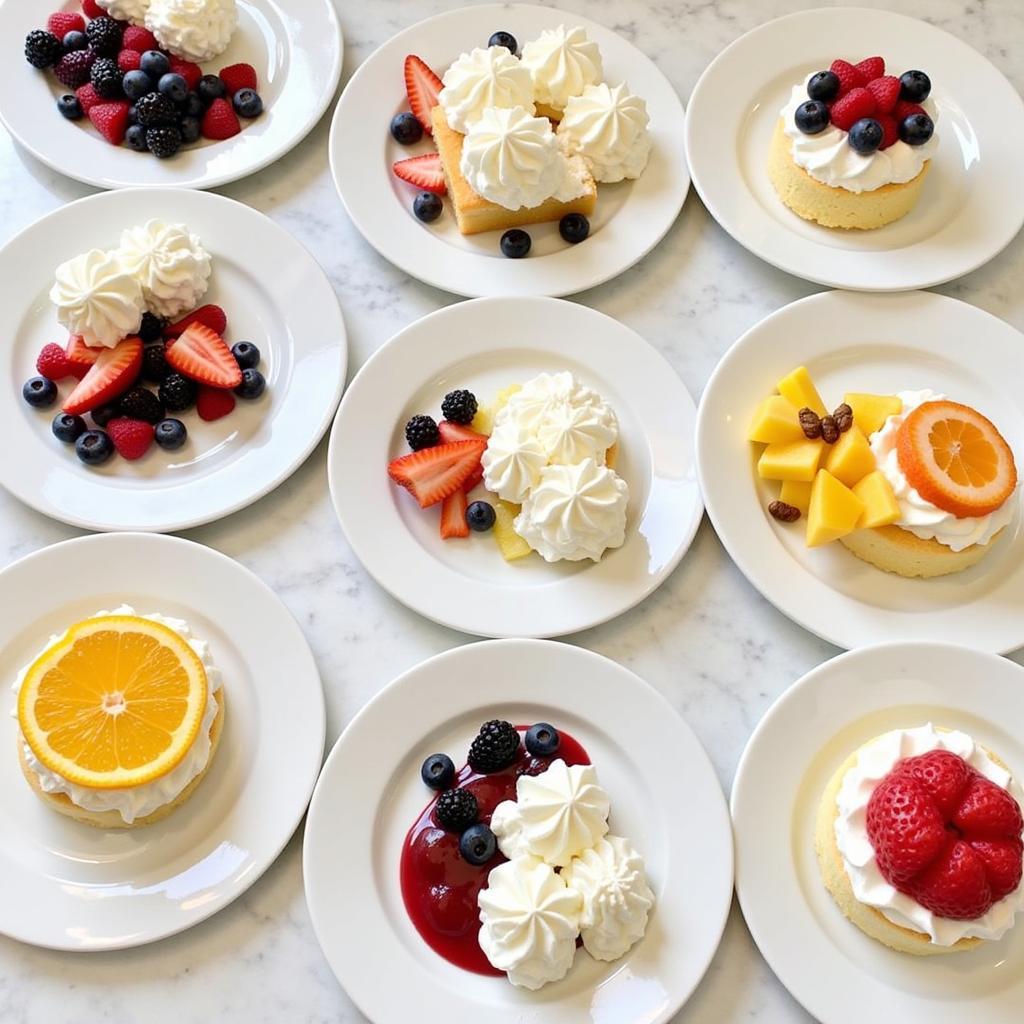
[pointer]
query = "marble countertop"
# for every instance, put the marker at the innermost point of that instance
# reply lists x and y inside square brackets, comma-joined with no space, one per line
[706,639]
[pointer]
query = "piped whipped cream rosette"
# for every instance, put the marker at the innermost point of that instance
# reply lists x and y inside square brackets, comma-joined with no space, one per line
[607,126]
[562,62]
[484,79]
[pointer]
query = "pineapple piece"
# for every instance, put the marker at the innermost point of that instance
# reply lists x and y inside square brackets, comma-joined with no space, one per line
[796,493]
[776,421]
[611,457]
[834,512]
[797,460]
[850,459]
[483,421]
[871,411]
[798,388]
[511,545]
[880,505]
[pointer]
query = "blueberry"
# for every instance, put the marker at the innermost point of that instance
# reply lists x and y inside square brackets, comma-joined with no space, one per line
[916,129]
[155,64]
[252,386]
[480,516]
[174,87]
[438,771]
[247,103]
[193,105]
[505,39]
[866,136]
[68,428]
[542,740]
[915,86]
[170,434]
[137,84]
[823,86]
[574,227]
[427,206]
[515,244]
[406,129]
[74,40]
[211,88]
[39,392]
[94,447]
[104,414]
[811,117]
[477,845]
[190,129]
[246,354]
[136,138]
[133,114]
[69,106]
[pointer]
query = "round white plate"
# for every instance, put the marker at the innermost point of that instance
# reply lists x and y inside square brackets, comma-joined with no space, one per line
[294,45]
[631,217]
[880,344]
[274,294]
[664,797]
[65,885]
[793,753]
[971,205]
[486,345]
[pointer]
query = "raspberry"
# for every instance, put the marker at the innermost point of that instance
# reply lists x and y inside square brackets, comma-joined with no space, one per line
[52,362]
[88,97]
[239,76]
[848,110]
[189,71]
[139,39]
[214,403]
[220,121]
[871,68]
[110,120]
[129,60]
[904,109]
[63,22]
[91,9]
[73,68]
[131,438]
[849,77]
[886,91]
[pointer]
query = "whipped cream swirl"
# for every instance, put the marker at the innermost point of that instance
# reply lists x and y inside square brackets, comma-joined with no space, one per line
[133,11]
[563,62]
[483,78]
[197,30]
[512,461]
[608,128]
[170,264]
[98,298]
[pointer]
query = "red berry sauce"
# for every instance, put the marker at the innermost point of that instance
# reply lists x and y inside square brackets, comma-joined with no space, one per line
[440,888]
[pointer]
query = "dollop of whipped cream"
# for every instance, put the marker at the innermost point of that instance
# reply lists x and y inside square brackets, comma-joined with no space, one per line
[556,815]
[829,158]
[874,762]
[608,128]
[170,264]
[563,62]
[610,877]
[529,922]
[512,461]
[197,30]
[98,298]
[133,11]
[491,77]
[918,515]
[143,800]
[513,159]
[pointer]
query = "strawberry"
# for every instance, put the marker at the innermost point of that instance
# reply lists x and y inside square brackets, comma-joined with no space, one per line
[431,474]
[871,68]
[203,356]
[423,171]
[1003,863]
[209,316]
[987,811]
[890,130]
[189,71]
[113,372]
[129,60]
[214,403]
[955,884]
[92,9]
[849,77]
[239,76]
[53,363]
[886,91]
[139,39]
[131,438]
[110,120]
[942,775]
[905,828]
[220,121]
[62,22]
[80,356]
[88,97]
[473,479]
[422,87]
[904,109]
[457,432]
[453,516]
[849,109]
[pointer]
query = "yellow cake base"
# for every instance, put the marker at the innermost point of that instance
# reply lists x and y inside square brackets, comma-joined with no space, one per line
[898,551]
[837,207]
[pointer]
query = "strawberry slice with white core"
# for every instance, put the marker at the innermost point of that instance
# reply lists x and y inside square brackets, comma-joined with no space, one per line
[424,172]
[431,474]
[453,516]
[422,87]
[112,374]
[203,356]
[449,432]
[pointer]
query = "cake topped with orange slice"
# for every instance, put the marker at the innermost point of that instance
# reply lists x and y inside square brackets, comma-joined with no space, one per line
[119,718]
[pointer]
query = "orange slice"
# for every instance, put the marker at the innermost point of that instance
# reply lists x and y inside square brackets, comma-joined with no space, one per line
[116,703]
[956,459]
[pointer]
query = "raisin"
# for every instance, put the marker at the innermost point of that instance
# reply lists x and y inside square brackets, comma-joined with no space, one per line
[829,430]
[843,417]
[784,512]
[810,423]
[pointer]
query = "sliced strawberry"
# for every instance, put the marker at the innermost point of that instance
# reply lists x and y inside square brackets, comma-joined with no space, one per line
[473,479]
[209,316]
[457,432]
[422,87]
[453,516]
[871,68]
[80,356]
[110,120]
[113,372]
[886,91]
[431,474]
[204,356]
[214,403]
[423,171]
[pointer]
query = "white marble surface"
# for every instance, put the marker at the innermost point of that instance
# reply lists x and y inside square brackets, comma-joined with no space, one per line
[706,639]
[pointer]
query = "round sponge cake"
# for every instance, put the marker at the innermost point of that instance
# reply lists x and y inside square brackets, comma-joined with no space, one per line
[899,551]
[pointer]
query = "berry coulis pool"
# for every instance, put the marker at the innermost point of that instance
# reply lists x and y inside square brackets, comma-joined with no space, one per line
[439,888]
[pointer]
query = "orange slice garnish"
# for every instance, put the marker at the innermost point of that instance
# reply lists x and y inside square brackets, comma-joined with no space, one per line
[955,458]
[116,703]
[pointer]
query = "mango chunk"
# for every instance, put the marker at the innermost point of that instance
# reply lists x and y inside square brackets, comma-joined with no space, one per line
[880,505]
[871,411]
[510,544]
[795,460]
[850,459]
[798,388]
[483,421]
[834,512]
[796,493]
[776,421]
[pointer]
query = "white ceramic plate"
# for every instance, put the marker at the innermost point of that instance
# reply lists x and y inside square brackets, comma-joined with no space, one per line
[664,797]
[631,217]
[971,205]
[274,294]
[65,885]
[486,345]
[295,46]
[879,344]
[839,974]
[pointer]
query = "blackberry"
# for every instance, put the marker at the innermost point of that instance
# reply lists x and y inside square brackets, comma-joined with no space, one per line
[151,329]
[154,364]
[106,78]
[141,404]
[73,68]
[155,110]
[459,406]
[43,49]
[163,142]
[421,432]
[177,392]
[456,810]
[494,748]
[104,36]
